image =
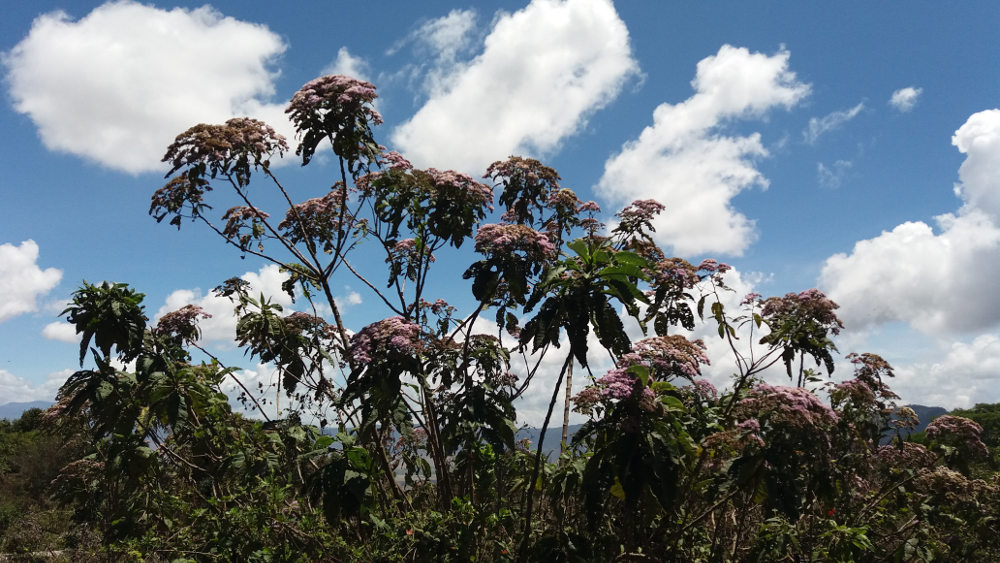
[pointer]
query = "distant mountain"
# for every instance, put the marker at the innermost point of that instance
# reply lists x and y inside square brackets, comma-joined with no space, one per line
[926,415]
[13,411]
[553,438]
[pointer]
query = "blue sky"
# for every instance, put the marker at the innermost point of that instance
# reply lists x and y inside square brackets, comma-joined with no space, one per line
[853,147]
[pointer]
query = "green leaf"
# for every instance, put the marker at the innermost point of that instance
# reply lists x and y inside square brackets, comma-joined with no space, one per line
[617,490]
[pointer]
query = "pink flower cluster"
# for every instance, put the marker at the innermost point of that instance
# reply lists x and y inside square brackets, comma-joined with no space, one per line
[867,387]
[642,210]
[394,335]
[396,161]
[750,431]
[792,407]
[960,430]
[439,307]
[675,272]
[182,323]
[334,98]
[810,304]
[668,356]
[316,218]
[704,389]
[406,252]
[338,109]
[527,187]
[714,266]
[175,194]
[478,193]
[495,239]
[218,146]
[236,220]
[523,171]
[564,199]
[906,454]
[300,322]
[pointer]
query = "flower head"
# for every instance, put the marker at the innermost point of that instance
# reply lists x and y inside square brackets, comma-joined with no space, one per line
[504,240]
[959,431]
[182,323]
[394,335]
[235,147]
[336,108]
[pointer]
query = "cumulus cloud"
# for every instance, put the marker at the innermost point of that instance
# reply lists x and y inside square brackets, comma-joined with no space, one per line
[542,71]
[348,65]
[932,280]
[905,99]
[117,86]
[979,140]
[820,125]
[683,161]
[15,389]
[966,375]
[63,332]
[21,280]
[447,36]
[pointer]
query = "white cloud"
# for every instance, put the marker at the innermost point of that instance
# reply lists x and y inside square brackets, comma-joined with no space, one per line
[21,280]
[968,373]
[684,162]
[118,85]
[348,65]
[543,70]
[933,281]
[63,332]
[820,125]
[979,139]
[832,177]
[448,36]
[15,389]
[351,298]
[905,99]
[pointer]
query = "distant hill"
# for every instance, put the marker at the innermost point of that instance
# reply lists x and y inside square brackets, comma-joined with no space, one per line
[553,438]
[926,415]
[12,411]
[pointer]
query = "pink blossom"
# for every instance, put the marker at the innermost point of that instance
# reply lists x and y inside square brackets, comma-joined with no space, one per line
[182,323]
[396,161]
[448,180]
[236,220]
[238,144]
[960,430]
[792,407]
[503,240]
[905,455]
[668,356]
[339,109]
[317,219]
[394,335]
[704,389]
[811,305]
[642,209]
